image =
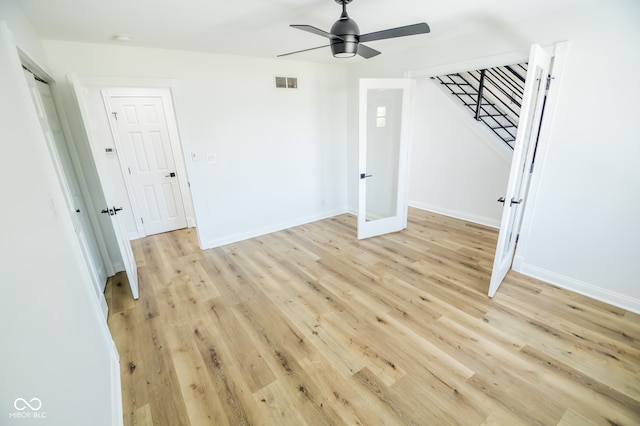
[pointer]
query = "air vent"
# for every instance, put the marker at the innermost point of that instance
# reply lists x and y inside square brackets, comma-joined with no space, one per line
[286,82]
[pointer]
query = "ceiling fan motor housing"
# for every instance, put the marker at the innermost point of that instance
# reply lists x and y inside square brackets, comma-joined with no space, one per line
[348,37]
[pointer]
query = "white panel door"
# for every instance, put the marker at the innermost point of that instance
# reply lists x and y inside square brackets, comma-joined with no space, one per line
[528,129]
[56,144]
[383,156]
[124,245]
[148,161]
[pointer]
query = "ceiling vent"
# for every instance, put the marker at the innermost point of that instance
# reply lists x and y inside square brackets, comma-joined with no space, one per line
[286,82]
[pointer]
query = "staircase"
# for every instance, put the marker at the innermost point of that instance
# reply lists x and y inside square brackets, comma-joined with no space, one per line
[493,95]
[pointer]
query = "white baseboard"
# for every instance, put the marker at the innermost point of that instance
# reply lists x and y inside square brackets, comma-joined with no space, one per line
[469,217]
[586,289]
[234,238]
[117,417]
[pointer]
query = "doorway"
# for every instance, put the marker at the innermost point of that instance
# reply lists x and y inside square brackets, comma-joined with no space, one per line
[492,166]
[149,153]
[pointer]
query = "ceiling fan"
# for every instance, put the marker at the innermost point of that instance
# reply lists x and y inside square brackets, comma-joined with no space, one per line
[345,37]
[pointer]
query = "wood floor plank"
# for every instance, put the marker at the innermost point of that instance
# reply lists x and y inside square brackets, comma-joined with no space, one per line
[310,326]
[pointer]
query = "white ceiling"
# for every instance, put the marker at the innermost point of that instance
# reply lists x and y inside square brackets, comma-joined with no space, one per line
[261,27]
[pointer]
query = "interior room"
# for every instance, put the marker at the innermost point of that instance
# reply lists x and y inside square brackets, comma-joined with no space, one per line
[250,295]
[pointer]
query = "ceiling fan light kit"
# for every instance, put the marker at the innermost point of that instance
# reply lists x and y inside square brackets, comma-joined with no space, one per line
[345,38]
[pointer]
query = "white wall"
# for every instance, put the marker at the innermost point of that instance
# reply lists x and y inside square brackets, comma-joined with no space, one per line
[24,33]
[583,226]
[281,154]
[458,168]
[55,345]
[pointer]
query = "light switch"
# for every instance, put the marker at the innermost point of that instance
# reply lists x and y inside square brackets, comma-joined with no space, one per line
[194,156]
[211,158]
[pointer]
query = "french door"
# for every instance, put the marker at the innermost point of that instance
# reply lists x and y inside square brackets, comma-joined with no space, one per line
[515,196]
[383,156]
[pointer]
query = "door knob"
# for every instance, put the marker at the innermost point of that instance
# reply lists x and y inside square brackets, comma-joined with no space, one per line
[514,201]
[364,175]
[111,212]
[501,200]
[172,174]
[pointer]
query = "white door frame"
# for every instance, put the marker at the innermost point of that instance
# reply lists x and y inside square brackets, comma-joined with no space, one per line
[97,116]
[175,141]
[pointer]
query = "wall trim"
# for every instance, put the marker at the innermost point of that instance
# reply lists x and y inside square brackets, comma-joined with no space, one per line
[469,217]
[257,232]
[117,418]
[577,286]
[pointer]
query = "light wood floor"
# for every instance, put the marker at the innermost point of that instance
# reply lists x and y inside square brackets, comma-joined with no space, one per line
[311,326]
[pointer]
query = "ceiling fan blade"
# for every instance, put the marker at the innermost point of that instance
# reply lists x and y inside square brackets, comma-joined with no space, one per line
[421,28]
[314,30]
[366,52]
[300,51]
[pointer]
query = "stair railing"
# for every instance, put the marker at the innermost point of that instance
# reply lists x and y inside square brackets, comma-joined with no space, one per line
[494,95]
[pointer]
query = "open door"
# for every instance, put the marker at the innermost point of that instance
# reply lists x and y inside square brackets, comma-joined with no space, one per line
[112,207]
[515,197]
[383,156]
[56,145]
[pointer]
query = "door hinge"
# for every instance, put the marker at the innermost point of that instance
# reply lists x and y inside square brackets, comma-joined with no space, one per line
[115,115]
[142,220]
[129,168]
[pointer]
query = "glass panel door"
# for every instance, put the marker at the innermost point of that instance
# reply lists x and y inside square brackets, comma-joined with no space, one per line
[384,145]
